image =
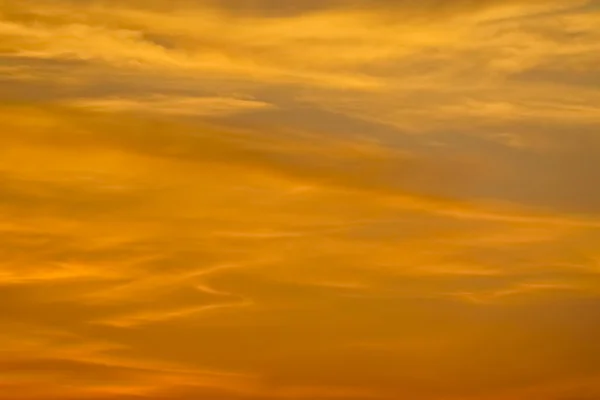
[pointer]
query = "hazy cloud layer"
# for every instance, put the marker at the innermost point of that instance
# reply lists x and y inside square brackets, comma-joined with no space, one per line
[249,200]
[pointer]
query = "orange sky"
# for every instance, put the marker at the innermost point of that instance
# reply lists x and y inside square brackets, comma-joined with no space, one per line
[299,199]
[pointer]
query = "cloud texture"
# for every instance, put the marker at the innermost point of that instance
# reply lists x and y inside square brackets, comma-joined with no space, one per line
[250,200]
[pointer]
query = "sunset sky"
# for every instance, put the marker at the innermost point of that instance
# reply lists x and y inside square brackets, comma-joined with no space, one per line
[299,200]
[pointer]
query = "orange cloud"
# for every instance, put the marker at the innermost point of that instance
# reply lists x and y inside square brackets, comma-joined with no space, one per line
[320,200]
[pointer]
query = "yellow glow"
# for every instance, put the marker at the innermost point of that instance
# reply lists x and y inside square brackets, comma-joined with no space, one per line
[306,200]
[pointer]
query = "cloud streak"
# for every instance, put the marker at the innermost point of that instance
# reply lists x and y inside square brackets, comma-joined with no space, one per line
[249,200]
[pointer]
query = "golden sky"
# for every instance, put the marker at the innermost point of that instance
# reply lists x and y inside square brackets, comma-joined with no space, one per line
[299,199]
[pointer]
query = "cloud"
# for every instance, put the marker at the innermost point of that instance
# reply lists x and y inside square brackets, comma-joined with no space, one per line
[134,47]
[193,106]
[245,200]
[293,49]
[158,316]
[155,236]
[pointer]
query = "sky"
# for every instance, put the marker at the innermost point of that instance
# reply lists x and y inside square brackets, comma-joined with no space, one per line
[299,199]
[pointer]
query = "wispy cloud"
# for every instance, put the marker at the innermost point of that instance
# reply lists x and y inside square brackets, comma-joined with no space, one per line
[196,106]
[243,200]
